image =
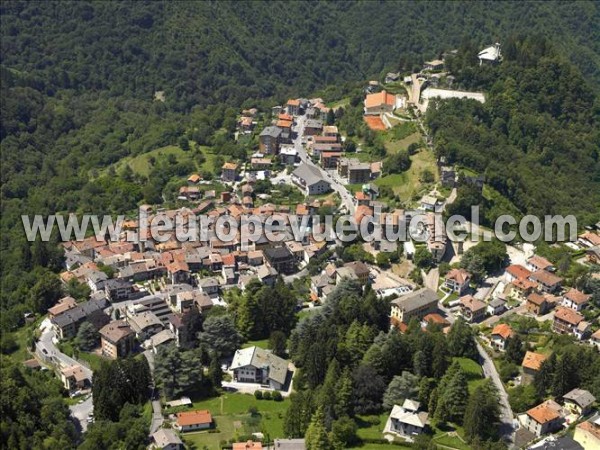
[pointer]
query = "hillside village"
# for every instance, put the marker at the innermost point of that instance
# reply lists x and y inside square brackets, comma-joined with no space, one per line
[146,296]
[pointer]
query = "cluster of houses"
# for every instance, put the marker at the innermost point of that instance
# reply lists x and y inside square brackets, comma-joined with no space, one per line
[535,286]
[541,290]
[551,416]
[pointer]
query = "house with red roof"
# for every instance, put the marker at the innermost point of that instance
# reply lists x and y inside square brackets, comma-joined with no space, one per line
[193,420]
[517,272]
[575,299]
[379,103]
[500,335]
[544,418]
[457,280]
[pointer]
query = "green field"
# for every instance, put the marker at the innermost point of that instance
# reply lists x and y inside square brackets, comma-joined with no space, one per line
[407,184]
[140,164]
[232,419]
[474,372]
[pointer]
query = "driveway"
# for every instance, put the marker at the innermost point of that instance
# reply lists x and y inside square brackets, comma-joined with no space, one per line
[81,411]
[495,319]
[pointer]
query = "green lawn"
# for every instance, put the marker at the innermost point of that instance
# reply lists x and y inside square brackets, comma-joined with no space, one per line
[93,361]
[371,446]
[473,370]
[362,156]
[263,343]
[230,413]
[305,312]
[368,428]
[21,337]
[354,187]
[451,441]
[407,184]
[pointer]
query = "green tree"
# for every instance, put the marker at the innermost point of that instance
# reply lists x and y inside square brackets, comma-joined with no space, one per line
[515,350]
[215,373]
[330,117]
[461,341]
[177,371]
[426,387]
[453,397]
[423,258]
[278,343]
[382,259]
[316,437]
[368,390]
[45,292]
[298,415]
[482,413]
[184,143]
[542,380]
[402,387]
[87,337]
[220,335]
[79,291]
[344,395]
[343,433]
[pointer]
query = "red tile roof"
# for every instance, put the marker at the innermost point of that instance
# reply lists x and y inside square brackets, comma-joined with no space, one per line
[546,278]
[504,330]
[577,297]
[199,417]
[540,262]
[568,315]
[544,413]
[518,271]
[380,98]
[459,275]
[533,360]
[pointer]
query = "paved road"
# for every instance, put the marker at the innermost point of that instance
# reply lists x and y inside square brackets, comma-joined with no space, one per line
[157,416]
[81,411]
[337,184]
[290,278]
[506,428]
[494,319]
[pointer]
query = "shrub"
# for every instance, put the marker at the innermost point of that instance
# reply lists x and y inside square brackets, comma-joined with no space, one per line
[266,395]
[277,396]
[258,395]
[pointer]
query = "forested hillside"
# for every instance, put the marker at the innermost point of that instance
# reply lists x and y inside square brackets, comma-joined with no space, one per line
[536,139]
[78,81]
[201,52]
[77,89]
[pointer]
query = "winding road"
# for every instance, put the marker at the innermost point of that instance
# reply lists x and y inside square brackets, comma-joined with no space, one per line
[46,349]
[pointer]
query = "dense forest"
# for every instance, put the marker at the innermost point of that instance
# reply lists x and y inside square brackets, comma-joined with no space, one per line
[77,89]
[535,140]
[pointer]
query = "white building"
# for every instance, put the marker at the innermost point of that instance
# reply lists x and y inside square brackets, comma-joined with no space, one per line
[256,365]
[490,55]
[406,420]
